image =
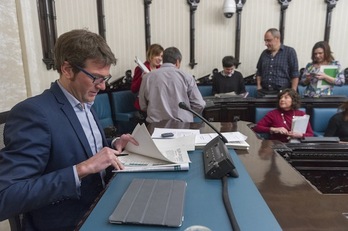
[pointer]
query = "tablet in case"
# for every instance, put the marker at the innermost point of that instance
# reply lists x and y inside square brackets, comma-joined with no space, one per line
[151,202]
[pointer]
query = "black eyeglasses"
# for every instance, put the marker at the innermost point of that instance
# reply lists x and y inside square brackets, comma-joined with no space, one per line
[96,80]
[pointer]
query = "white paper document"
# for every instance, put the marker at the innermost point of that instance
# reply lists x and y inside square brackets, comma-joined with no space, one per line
[141,65]
[185,142]
[147,155]
[300,123]
[157,133]
[235,140]
[230,136]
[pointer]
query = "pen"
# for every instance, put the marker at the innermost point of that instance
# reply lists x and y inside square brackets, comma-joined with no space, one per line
[123,154]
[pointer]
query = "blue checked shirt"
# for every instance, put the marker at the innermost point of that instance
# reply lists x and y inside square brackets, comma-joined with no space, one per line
[278,71]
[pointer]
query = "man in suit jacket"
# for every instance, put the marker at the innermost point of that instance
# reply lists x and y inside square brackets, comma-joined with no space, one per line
[57,159]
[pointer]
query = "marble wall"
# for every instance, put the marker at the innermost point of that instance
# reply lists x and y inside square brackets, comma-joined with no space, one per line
[12,81]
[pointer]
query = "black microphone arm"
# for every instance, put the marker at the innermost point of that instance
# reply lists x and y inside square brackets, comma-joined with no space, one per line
[182,105]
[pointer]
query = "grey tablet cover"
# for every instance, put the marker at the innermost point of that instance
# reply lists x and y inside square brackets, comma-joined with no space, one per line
[151,202]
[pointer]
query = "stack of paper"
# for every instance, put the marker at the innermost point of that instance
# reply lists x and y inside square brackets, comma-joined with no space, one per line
[236,140]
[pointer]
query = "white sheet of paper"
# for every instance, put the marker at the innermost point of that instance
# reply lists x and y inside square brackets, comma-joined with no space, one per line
[177,132]
[300,123]
[186,143]
[141,65]
[171,152]
[230,136]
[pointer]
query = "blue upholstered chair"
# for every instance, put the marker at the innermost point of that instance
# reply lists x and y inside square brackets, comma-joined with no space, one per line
[102,107]
[260,112]
[301,90]
[206,90]
[340,90]
[320,119]
[251,89]
[123,105]
[123,110]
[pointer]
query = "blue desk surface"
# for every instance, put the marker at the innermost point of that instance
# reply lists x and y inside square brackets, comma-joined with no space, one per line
[203,201]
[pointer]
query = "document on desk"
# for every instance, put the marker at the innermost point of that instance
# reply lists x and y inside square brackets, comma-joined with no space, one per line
[299,124]
[184,137]
[147,156]
[157,133]
[236,140]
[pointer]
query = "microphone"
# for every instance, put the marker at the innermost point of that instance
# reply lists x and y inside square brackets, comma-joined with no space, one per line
[182,105]
[217,159]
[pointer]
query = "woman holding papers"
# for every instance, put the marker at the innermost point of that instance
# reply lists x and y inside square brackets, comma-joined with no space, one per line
[153,61]
[338,124]
[322,73]
[278,122]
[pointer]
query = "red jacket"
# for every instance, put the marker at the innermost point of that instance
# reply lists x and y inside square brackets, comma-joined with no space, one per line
[136,82]
[274,118]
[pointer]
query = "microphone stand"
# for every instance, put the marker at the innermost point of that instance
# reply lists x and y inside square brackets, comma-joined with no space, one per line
[210,156]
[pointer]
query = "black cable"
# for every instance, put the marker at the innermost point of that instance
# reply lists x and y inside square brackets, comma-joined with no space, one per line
[227,203]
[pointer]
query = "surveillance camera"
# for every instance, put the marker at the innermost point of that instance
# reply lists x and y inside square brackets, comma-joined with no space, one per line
[229,8]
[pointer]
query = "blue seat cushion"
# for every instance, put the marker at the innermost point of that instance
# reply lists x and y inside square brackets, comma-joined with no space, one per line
[123,105]
[206,90]
[251,89]
[320,119]
[103,109]
[340,90]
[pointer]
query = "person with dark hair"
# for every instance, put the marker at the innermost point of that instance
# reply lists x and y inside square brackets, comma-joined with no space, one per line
[321,55]
[153,61]
[338,123]
[277,68]
[56,159]
[228,80]
[278,122]
[163,89]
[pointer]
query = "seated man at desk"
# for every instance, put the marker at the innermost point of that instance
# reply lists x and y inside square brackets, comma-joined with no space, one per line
[57,160]
[228,80]
[278,122]
[163,89]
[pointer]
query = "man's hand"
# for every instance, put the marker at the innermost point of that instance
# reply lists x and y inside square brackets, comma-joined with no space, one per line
[100,161]
[120,144]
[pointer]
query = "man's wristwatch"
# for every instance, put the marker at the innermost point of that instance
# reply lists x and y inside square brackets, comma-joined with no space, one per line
[114,141]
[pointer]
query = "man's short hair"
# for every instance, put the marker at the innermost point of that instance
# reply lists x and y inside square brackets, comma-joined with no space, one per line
[275,32]
[171,55]
[76,46]
[229,61]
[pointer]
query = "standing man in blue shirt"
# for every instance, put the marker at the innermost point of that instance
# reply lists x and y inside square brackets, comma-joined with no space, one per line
[277,67]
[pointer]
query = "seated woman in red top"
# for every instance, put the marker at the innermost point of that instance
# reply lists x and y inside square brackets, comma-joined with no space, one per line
[153,61]
[278,121]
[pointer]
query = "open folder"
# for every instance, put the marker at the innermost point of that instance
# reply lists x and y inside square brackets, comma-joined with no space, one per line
[147,156]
